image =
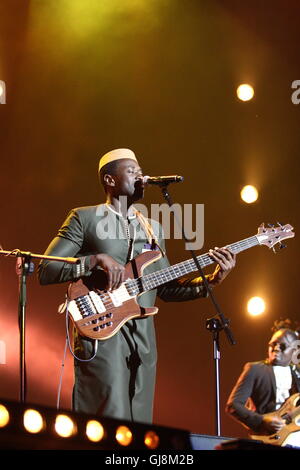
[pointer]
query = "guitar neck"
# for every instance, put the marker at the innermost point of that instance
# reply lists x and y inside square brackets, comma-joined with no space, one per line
[153,280]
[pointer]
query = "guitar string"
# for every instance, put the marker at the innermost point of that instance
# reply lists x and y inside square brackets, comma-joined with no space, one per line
[150,281]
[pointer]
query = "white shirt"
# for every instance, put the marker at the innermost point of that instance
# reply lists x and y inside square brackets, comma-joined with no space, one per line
[283,378]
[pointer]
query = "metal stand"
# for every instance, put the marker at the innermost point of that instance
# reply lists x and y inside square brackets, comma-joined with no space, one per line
[23,270]
[215,325]
[25,267]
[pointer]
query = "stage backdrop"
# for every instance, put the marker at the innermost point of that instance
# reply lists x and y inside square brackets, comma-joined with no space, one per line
[159,77]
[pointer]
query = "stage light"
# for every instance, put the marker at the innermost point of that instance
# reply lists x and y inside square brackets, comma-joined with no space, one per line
[2,92]
[151,440]
[4,416]
[94,430]
[245,92]
[33,421]
[64,426]
[249,194]
[124,435]
[31,426]
[256,306]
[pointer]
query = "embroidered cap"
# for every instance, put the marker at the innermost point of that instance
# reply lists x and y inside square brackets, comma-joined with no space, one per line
[116,154]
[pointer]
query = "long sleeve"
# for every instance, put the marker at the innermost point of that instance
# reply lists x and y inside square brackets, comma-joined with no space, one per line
[242,391]
[68,242]
[182,290]
[179,290]
[83,234]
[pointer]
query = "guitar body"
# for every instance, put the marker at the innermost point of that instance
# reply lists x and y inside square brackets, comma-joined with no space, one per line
[99,314]
[290,411]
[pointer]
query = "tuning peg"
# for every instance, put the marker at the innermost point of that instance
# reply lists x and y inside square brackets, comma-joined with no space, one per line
[280,247]
[261,228]
[280,224]
[271,225]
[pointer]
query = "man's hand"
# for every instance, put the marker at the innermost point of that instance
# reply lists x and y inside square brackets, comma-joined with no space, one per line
[115,271]
[272,424]
[226,262]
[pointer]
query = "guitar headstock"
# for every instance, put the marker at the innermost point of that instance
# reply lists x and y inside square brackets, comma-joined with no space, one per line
[272,235]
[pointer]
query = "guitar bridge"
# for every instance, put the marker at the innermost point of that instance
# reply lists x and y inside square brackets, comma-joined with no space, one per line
[85,306]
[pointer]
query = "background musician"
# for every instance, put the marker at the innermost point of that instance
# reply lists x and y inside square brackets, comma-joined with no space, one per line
[264,386]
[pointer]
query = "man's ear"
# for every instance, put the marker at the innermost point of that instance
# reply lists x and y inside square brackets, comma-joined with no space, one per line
[109,180]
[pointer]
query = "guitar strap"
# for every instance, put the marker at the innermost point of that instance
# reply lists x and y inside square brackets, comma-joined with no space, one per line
[148,229]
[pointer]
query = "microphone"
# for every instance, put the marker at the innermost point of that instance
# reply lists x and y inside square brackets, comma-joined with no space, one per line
[162,180]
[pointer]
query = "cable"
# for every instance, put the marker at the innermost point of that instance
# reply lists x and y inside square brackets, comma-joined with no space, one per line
[68,345]
[95,347]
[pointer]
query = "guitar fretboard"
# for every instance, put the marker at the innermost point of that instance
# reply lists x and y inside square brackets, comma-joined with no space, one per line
[153,280]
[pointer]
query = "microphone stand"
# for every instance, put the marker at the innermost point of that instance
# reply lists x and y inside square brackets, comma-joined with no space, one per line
[24,268]
[214,324]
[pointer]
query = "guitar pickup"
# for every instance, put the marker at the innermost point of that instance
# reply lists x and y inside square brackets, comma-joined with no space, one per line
[115,298]
[96,300]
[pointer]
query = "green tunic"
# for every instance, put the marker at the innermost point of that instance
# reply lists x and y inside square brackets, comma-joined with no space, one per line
[119,382]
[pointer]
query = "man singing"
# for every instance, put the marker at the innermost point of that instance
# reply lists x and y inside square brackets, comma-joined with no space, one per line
[119,381]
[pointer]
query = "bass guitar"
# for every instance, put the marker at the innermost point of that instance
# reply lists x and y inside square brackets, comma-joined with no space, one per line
[290,412]
[99,314]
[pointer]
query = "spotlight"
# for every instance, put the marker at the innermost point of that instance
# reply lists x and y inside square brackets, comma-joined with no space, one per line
[33,421]
[64,426]
[249,194]
[245,92]
[124,435]
[4,416]
[2,92]
[151,440]
[256,306]
[94,430]
[31,426]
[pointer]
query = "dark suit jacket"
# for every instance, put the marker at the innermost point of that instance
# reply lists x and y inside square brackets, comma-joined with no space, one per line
[257,382]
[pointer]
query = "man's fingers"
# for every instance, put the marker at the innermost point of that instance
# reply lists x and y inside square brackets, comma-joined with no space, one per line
[224,257]
[109,279]
[122,277]
[115,277]
[119,277]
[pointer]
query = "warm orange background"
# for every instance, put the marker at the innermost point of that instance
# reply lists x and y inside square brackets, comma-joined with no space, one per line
[158,77]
